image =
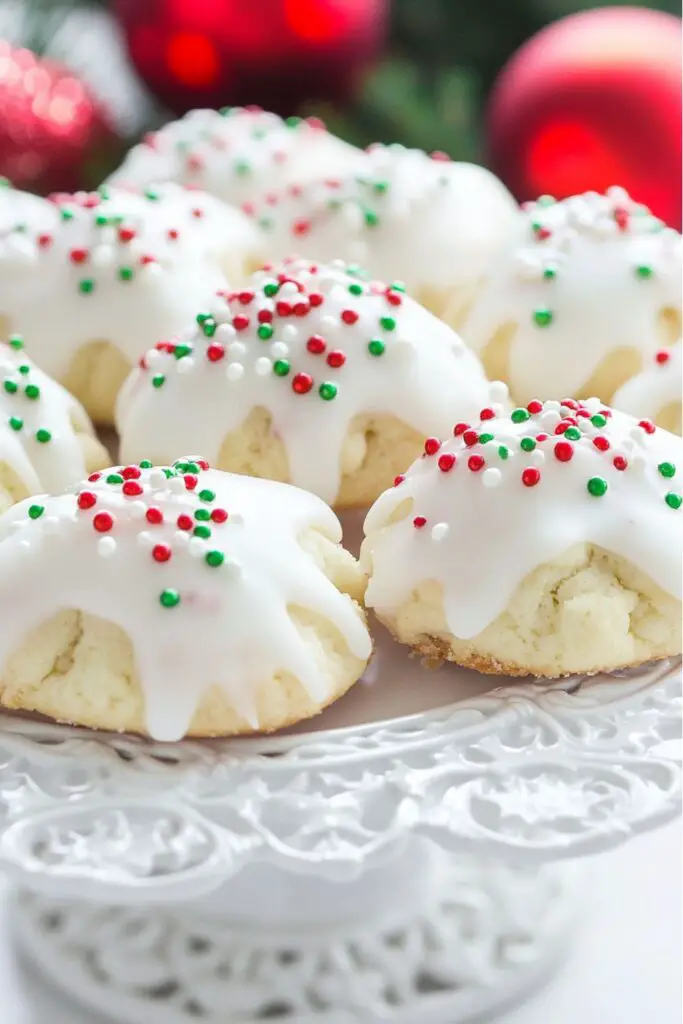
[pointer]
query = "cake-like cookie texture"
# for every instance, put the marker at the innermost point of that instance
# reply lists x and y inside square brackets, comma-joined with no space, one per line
[92,295]
[545,544]
[312,374]
[178,601]
[237,154]
[656,391]
[424,220]
[24,210]
[581,301]
[174,217]
[46,439]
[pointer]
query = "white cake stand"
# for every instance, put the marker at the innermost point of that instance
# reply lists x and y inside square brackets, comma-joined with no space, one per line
[399,860]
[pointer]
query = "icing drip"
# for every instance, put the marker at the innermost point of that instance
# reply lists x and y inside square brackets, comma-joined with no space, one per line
[590,275]
[194,565]
[315,346]
[38,423]
[659,385]
[99,275]
[236,154]
[507,495]
[22,210]
[425,220]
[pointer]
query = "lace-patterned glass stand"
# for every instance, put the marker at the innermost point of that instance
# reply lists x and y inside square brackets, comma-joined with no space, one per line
[401,860]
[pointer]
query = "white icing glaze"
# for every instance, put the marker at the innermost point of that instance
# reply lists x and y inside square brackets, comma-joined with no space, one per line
[499,529]
[38,421]
[589,275]
[24,210]
[231,626]
[423,220]
[236,155]
[95,278]
[195,396]
[658,386]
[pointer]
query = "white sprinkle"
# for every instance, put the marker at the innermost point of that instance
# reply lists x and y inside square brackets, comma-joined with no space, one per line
[103,255]
[638,463]
[51,524]
[234,371]
[137,509]
[145,540]
[529,265]
[263,366]
[17,525]
[552,406]
[153,269]
[181,538]
[176,485]
[329,323]
[441,529]
[185,365]
[154,358]
[225,333]
[196,547]
[491,477]
[106,547]
[237,350]
[289,333]
[458,348]
[157,478]
[279,350]
[537,457]
[498,391]
[288,290]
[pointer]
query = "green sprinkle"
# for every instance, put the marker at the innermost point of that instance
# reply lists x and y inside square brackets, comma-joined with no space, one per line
[485,438]
[519,415]
[214,558]
[101,220]
[546,200]
[202,531]
[207,495]
[503,452]
[527,444]
[598,420]
[158,380]
[24,369]
[145,464]
[380,187]
[266,223]
[271,289]
[202,515]
[281,367]
[543,317]
[43,436]
[180,351]
[209,328]
[573,434]
[242,167]
[125,273]
[388,323]
[151,194]
[376,347]
[168,473]
[550,273]
[265,332]
[673,500]
[32,391]
[356,289]
[644,271]
[35,511]
[328,391]
[667,469]
[16,423]
[293,121]
[10,386]
[114,478]
[66,214]
[16,342]
[371,218]
[5,182]
[397,286]
[201,317]
[104,192]
[169,598]
[86,286]
[596,486]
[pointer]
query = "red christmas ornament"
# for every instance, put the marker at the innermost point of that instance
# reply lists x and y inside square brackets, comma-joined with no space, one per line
[591,101]
[50,126]
[277,53]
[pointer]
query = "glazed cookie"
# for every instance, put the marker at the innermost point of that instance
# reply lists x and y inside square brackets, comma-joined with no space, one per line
[311,375]
[46,440]
[545,544]
[426,221]
[656,392]
[178,601]
[236,154]
[23,210]
[173,216]
[92,295]
[585,298]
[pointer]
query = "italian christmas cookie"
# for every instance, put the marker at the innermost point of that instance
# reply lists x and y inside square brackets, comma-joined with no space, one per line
[46,439]
[23,210]
[582,300]
[171,216]
[424,220]
[90,296]
[178,601]
[546,543]
[236,154]
[312,375]
[656,391]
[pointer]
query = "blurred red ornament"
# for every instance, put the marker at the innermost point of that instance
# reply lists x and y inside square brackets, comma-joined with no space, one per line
[591,101]
[51,129]
[275,53]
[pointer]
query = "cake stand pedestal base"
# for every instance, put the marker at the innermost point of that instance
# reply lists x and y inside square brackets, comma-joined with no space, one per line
[426,938]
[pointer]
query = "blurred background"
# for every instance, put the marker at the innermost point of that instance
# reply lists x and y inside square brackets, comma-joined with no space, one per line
[594,99]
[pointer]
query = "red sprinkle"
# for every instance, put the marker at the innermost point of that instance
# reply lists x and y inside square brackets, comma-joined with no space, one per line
[154,516]
[460,428]
[184,522]
[265,316]
[648,426]
[132,489]
[419,522]
[541,437]
[316,344]
[103,522]
[44,241]
[93,477]
[336,358]
[78,255]
[315,299]
[240,322]
[245,297]
[301,309]
[564,451]
[215,352]
[398,479]
[619,462]
[476,462]
[86,499]
[487,414]
[301,227]
[530,476]
[601,443]
[218,515]
[126,234]
[190,481]
[349,316]
[446,462]
[302,383]
[161,552]
[662,357]
[432,445]
[283,308]
[534,406]
[470,437]
[131,473]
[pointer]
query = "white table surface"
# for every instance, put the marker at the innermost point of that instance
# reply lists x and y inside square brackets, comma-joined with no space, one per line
[624,966]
